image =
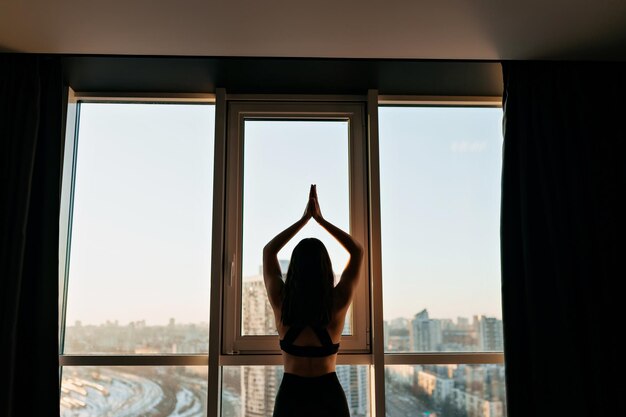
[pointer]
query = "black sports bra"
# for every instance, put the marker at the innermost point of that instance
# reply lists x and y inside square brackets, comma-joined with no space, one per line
[328,347]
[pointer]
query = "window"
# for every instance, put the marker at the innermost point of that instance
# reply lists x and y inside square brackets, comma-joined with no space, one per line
[440,202]
[281,158]
[137,270]
[276,150]
[169,201]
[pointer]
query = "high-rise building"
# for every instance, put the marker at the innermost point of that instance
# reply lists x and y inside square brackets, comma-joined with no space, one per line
[259,384]
[257,317]
[425,333]
[490,334]
[355,383]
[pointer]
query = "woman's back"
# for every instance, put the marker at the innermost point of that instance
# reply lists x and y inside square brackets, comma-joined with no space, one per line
[312,365]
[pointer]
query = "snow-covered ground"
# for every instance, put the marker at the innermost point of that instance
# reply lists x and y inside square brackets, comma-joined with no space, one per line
[118,392]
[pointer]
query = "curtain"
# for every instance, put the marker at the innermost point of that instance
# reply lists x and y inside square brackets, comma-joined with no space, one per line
[31,139]
[562,234]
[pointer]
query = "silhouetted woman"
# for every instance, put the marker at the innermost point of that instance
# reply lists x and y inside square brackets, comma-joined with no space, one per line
[310,312]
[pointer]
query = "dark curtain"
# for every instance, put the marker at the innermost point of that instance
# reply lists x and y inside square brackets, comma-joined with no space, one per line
[562,236]
[31,132]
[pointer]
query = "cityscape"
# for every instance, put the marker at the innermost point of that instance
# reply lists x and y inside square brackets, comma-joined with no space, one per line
[249,391]
[441,258]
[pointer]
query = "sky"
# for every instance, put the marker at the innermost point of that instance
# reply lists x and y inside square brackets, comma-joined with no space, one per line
[141,236]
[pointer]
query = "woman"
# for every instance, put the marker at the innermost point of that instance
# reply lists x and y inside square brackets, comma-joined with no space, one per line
[310,312]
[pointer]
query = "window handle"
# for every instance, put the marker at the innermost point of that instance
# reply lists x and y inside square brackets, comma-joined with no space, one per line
[232,271]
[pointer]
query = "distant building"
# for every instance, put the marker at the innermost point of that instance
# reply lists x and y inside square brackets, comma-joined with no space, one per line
[437,387]
[397,335]
[355,383]
[257,316]
[490,334]
[462,323]
[459,336]
[259,384]
[402,374]
[425,333]
[476,406]
[477,391]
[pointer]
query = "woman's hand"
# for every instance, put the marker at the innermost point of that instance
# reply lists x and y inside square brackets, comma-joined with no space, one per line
[314,206]
[309,210]
[312,209]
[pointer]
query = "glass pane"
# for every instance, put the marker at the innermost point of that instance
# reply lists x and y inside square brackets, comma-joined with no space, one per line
[440,219]
[92,391]
[445,391]
[140,244]
[250,391]
[281,160]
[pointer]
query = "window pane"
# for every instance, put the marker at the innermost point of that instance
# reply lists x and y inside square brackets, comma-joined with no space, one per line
[250,391]
[140,244]
[281,160]
[440,214]
[445,391]
[92,391]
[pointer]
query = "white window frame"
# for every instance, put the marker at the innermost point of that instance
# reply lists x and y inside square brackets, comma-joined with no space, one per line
[239,110]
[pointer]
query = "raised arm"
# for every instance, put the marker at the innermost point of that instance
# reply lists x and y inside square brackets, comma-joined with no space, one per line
[350,275]
[271,266]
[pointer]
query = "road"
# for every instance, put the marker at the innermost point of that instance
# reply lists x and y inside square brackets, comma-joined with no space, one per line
[400,402]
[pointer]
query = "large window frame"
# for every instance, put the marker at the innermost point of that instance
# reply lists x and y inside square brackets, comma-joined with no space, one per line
[240,111]
[75,100]
[380,357]
[226,348]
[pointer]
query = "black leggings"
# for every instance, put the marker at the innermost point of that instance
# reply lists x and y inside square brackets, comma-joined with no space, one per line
[318,396]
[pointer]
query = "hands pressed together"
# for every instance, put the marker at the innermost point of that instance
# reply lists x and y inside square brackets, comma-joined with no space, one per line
[312,209]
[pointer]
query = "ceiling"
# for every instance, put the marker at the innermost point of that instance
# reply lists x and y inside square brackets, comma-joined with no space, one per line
[409,29]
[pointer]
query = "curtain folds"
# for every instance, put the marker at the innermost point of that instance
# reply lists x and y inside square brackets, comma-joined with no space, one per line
[562,234]
[32,105]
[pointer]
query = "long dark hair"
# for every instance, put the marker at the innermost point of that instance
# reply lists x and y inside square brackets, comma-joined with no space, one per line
[308,290]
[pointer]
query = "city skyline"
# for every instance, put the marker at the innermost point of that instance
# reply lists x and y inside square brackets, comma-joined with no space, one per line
[250,391]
